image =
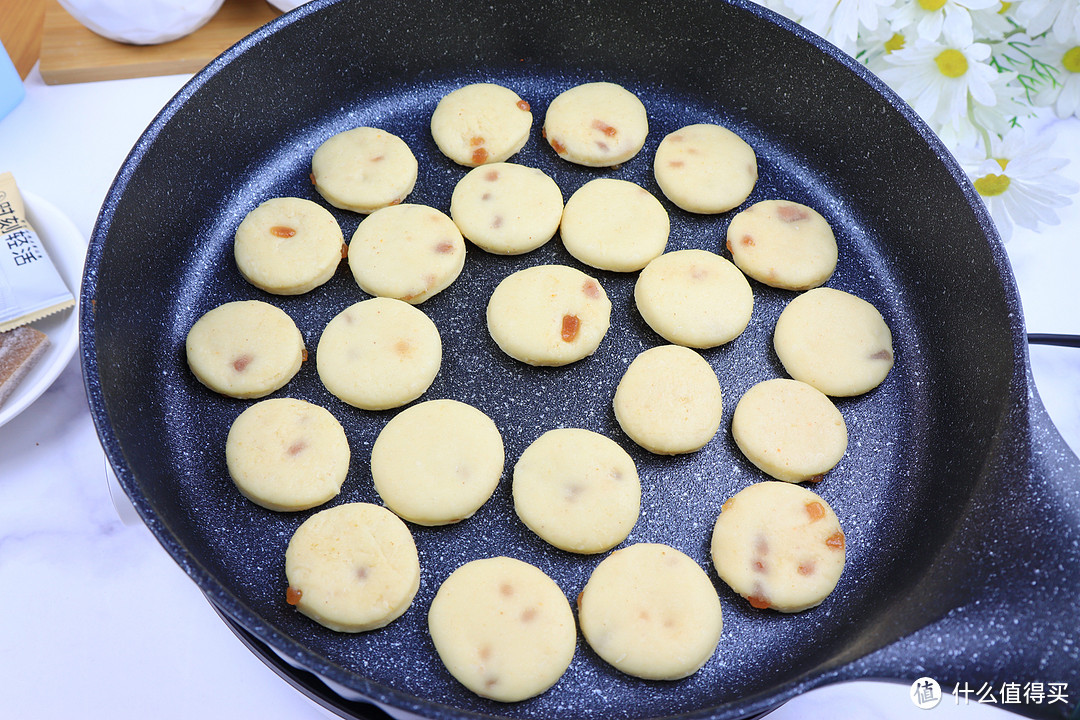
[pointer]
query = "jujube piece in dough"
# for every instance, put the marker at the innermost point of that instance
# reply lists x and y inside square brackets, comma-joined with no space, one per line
[408,252]
[363,169]
[379,354]
[507,209]
[288,246]
[705,168]
[437,462]
[503,628]
[694,298]
[834,341]
[577,490]
[614,225]
[597,124]
[481,123]
[783,244]
[650,611]
[244,349]
[287,454]
[548,315]
[352,567]
[668,400]
[779,545]
[789,430]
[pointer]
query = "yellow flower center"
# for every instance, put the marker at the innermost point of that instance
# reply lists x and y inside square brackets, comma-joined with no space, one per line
[1071,61]
[951,63]
[990,185]
[1003,162]
[1004,8]
[931,5]
[896,42]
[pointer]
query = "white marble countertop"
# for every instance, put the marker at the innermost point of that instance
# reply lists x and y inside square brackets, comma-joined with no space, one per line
[99,622]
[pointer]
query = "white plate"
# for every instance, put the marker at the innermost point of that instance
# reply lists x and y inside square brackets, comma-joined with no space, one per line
[67,249]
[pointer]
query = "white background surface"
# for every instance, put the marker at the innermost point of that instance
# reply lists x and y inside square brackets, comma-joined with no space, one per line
[98,622]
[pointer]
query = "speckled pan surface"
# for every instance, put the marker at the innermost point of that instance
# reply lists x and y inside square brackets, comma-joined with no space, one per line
[959,501]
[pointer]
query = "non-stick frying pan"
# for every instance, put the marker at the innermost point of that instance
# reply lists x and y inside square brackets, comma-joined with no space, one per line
[960,502]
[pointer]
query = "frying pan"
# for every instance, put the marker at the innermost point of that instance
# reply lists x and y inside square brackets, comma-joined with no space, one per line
[960,502]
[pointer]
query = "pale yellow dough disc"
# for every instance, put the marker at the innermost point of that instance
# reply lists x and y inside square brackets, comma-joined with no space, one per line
[705,168]
[287,454]
[694,298]
[481,123]
[597,124]
[352,567]
[783,244]
[363,169]
[835,341]
[379,354]
[668,400]
[650,611]
[288,246]
[778,545]
[507,209]
[615,225]
[244,349]
[408,252]
[789,430]
[548,315]
[437,462]
[578,490]
[503,628]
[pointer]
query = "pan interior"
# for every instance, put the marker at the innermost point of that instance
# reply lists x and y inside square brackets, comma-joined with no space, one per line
[245,130]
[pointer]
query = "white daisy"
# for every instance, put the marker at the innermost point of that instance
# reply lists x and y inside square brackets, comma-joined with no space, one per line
[1064,57]
[839,21]
[1060,16]
[941,79]
[994,23]
[1019,181]
[929,19]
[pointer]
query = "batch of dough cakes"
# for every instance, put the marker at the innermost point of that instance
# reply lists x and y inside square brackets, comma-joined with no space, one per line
[503,628]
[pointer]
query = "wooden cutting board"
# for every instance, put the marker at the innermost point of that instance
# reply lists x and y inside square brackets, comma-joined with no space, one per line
[70,53]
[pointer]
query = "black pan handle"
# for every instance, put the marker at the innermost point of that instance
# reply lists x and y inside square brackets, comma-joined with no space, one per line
[1054,339]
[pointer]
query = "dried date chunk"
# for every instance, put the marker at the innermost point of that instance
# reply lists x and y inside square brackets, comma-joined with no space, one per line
[705,168]
[507,209]
[651,611]
[598,124]
[502,628]
[437,462]
[481,123]
[835,341]
[779,545]
[783,244]
[613,224]
[352,567]
[244,349]
[364,169]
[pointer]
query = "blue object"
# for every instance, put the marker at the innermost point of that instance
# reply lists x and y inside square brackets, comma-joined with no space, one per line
[11,85]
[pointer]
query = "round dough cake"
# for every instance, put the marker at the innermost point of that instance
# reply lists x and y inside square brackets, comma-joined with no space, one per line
[789,430]
[668,400]
[548,315]
[577,490]
[834,341]
[481,123]
[615,225]
[288,246]
[507,209]
[408,252]
[287,454]
[379,354]
[597,124]
[694,298]
[783,244]
[778,545]
[705,168]
[363,169]
[503,628]
[650,611]
[352,567]
[437,462]
[244,349]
